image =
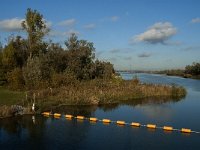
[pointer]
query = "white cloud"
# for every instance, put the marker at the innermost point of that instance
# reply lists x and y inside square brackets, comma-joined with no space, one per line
[114,18]
[69,22]
[158,33]
[90,26]
[195,20]
[10,25]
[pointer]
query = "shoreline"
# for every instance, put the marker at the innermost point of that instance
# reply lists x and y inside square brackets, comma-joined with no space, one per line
[92,93]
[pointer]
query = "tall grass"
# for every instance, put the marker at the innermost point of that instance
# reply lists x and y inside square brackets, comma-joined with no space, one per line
[98,92]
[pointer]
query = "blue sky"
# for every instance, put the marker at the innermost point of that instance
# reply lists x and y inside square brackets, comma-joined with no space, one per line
[142,34]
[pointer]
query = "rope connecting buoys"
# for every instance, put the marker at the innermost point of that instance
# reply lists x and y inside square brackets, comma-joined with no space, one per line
[134,124]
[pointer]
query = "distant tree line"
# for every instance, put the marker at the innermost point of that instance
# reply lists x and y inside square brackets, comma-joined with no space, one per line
[193,69]
[33,63]
[190,71]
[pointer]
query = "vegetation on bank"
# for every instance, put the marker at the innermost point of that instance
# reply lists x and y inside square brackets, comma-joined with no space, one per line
[98,92]
[8,97]
[53,75]
[190,71]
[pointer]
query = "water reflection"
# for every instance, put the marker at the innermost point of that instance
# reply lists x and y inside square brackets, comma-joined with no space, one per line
[38,132]
[139,102]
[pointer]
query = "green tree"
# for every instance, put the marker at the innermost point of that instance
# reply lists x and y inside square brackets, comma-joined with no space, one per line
[36,29]
[81,57]
[14,54]
[57,58]
[15,79]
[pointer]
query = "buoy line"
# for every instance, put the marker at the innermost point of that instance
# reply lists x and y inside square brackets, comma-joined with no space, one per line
[120,122]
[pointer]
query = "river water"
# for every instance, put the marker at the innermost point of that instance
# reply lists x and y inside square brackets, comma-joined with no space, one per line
[38,132]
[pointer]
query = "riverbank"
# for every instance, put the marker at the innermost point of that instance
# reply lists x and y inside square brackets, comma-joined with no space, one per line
[178,73]
[96,92]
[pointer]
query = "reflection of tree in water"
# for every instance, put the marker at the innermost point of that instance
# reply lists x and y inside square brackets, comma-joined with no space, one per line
[136,102]
[17,125]
[86,111]
[47,132]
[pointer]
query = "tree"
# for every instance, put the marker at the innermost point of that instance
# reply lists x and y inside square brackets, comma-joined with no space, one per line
[193,69]
[36,29]
[103,70]
[81,57]
[14,54]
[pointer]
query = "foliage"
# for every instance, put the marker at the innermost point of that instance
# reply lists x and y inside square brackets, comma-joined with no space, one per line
[36,29]
[15,79]
[34,64]
[193,69]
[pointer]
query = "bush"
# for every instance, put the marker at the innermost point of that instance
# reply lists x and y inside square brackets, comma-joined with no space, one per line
[15,79]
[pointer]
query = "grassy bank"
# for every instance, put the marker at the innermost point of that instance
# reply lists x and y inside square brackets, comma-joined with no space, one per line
[97,92]
[8,97]
[93,92]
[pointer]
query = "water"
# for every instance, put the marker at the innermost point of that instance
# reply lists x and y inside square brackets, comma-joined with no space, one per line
[38,132]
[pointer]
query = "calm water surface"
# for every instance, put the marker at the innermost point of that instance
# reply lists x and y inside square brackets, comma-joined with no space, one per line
[38,132]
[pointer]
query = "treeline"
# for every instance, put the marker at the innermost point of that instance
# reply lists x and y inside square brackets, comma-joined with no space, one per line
[190,71]
[33,63]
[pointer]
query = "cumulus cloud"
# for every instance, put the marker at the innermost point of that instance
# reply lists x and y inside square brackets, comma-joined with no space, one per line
[69,22]
[142,55]
[195,20]
[10,25]
[90,26]
[158,33]
[114,18]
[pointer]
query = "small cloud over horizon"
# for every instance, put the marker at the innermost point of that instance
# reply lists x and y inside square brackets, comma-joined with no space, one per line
[114,18]
[158,33]
[144,54]
[195,20]
[90,26]
[68,22]
[10,25]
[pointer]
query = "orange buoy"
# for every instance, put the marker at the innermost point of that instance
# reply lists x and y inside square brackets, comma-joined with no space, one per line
[106,120]
[121,122]
[68,116]
[93,119]
[46,113]
[168,128]
[80,117]
[57,115]
[184,130]
[152,126]
[136,124]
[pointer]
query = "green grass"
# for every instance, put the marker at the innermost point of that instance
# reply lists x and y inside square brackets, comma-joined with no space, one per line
[8,97]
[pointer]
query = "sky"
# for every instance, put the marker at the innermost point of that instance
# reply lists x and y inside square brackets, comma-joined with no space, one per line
[131,34]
